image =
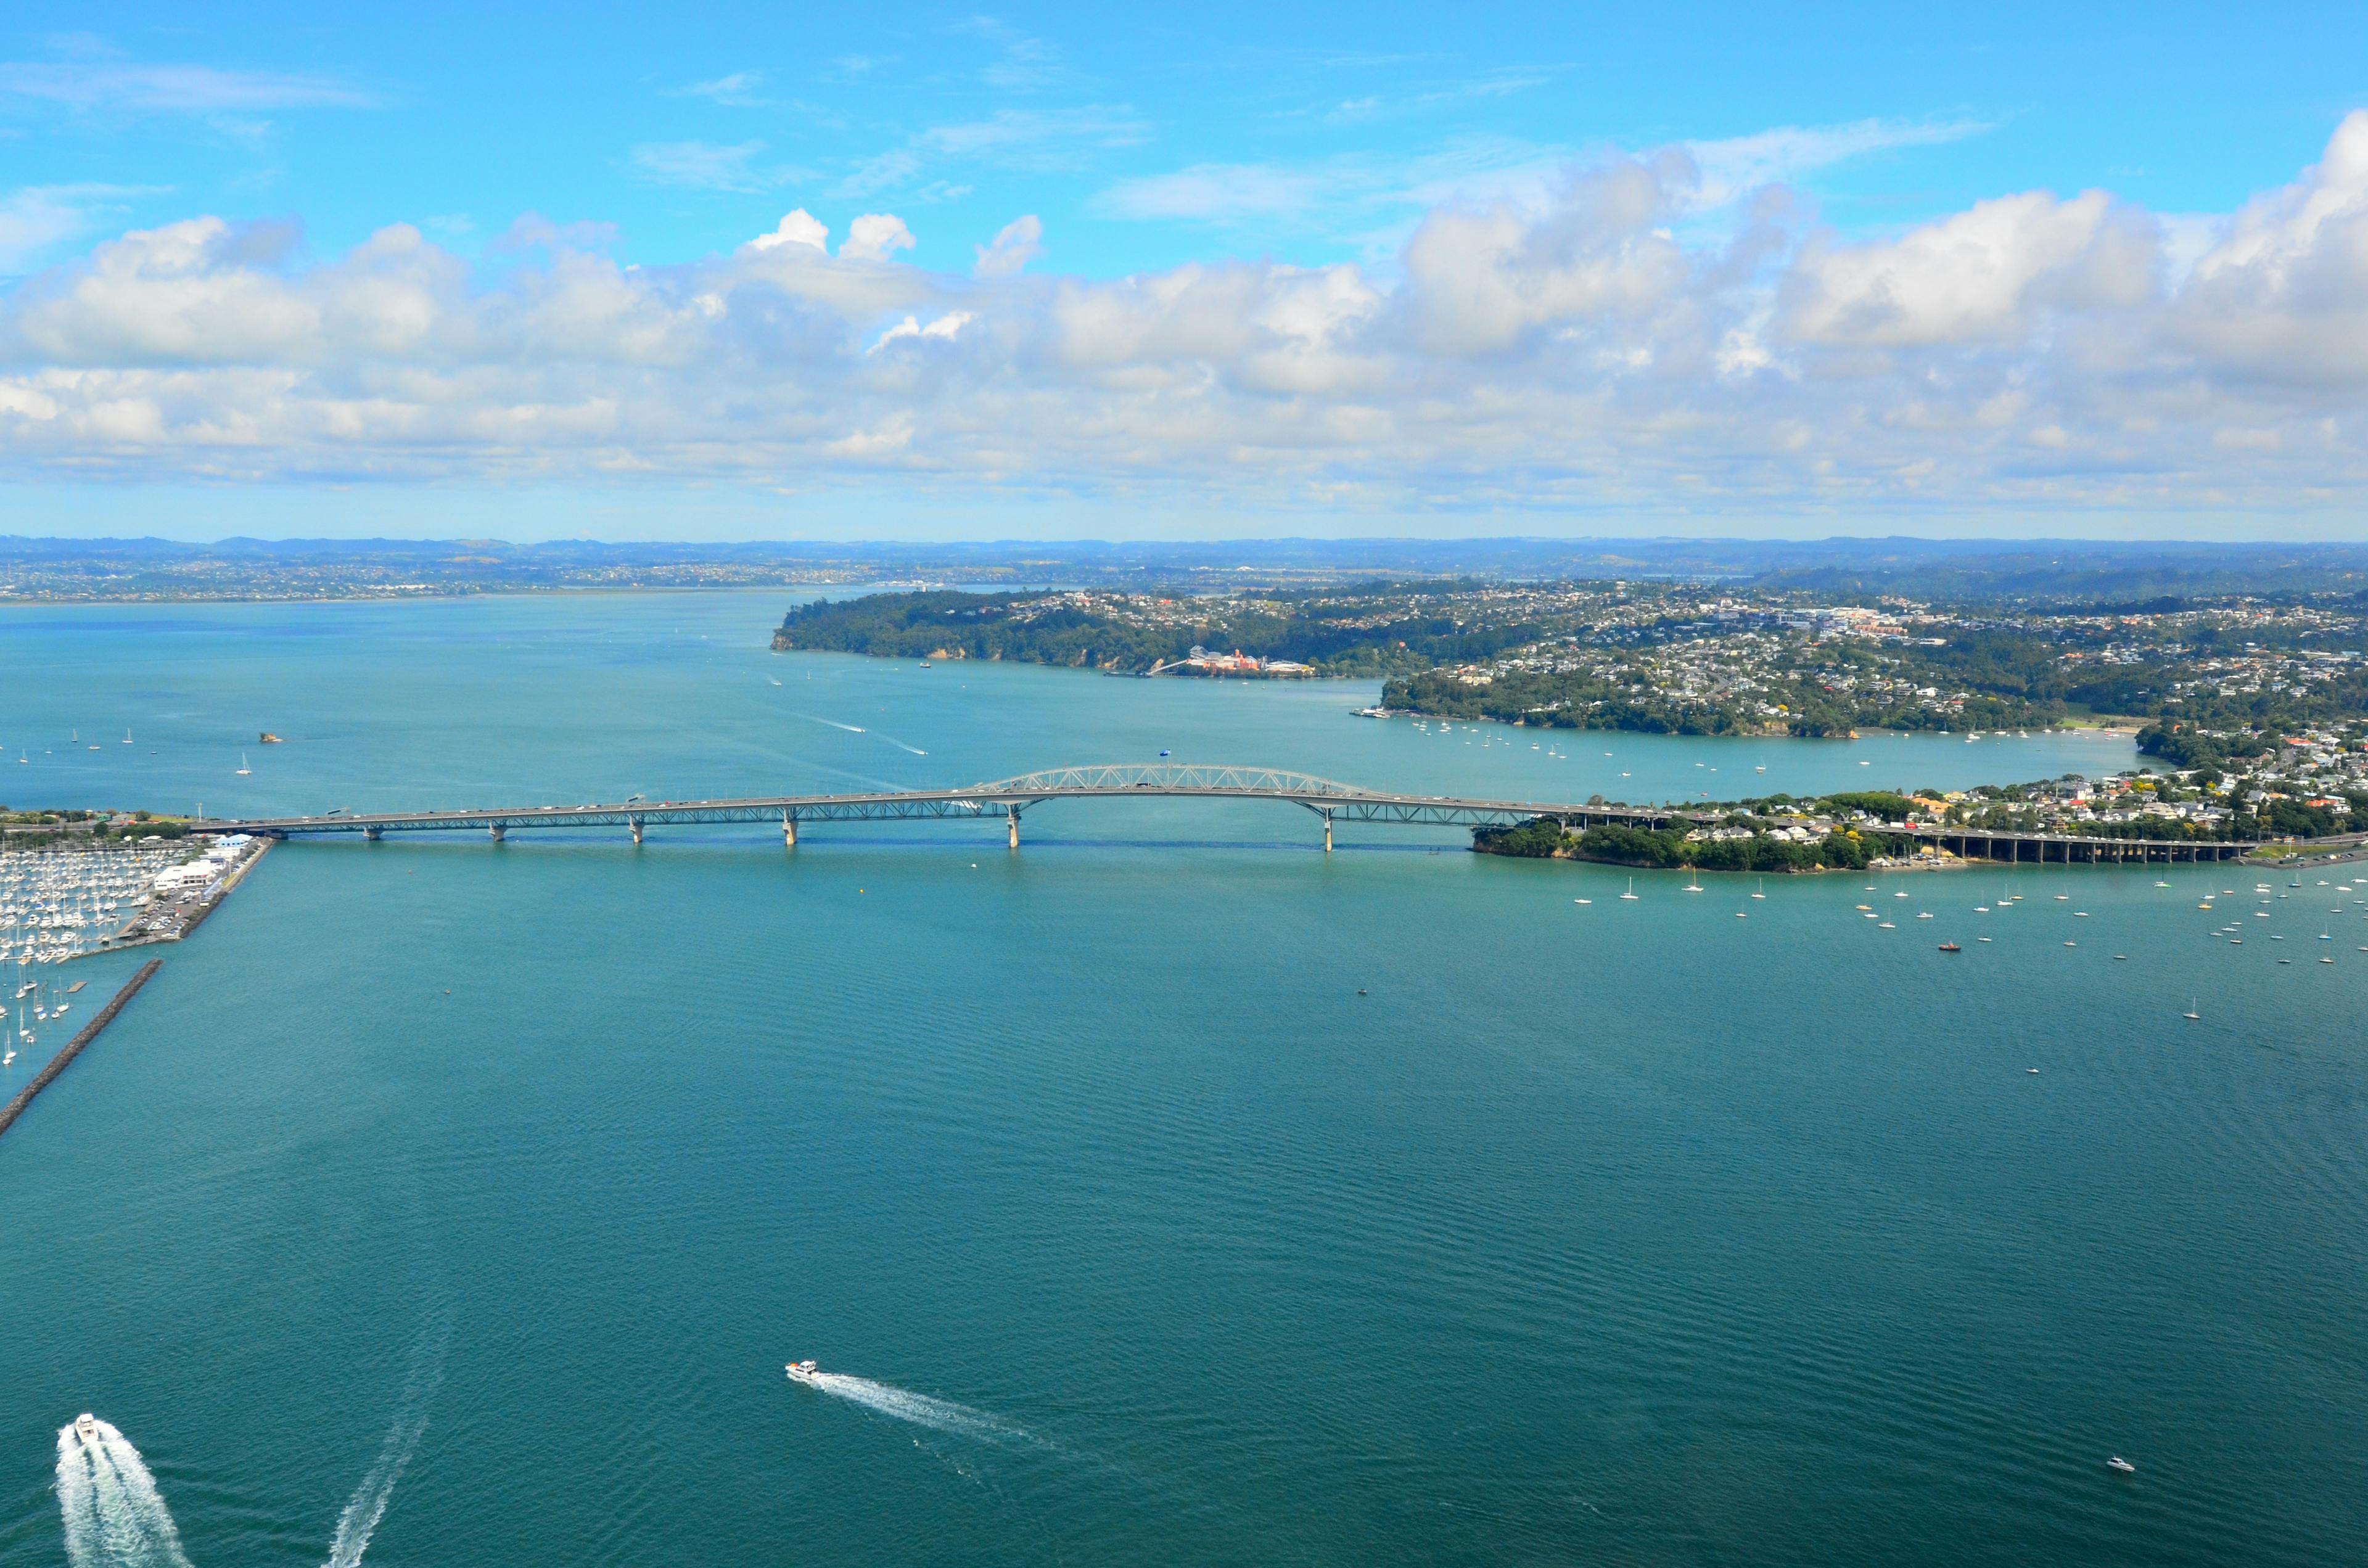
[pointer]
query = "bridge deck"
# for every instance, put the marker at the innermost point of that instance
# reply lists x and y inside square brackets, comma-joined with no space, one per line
[1008,798]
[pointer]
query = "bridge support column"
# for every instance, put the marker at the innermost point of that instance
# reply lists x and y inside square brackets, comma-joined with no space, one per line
[1327,833]
[789,831]
[496,833]
[374,834]
[1012,817]
[637,828]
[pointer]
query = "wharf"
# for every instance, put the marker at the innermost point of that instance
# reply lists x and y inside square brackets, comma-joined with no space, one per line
[160,922]
[74,1048]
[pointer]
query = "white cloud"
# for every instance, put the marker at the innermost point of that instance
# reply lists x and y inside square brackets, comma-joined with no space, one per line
[1038,135]
[875,236]
[1033,140]
[134,88]
[740,89]
[1557,342]
[704,165]
[1019,243]
[1737,165]
[948,326]
[798,228]
[1982,274]
[37,217]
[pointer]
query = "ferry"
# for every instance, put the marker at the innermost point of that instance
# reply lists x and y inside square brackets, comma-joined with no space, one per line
[805,1372]
[87,1429]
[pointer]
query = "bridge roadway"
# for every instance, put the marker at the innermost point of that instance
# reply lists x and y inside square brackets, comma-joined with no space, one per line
[1007,798]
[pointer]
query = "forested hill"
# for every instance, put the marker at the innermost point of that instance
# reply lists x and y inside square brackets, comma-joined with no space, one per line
[1336,634]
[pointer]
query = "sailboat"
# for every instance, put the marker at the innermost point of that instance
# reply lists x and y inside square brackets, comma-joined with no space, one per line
[1631,893]
[1694,883]
[2192,1014]
[1763,889]
[127,735]
[242,768]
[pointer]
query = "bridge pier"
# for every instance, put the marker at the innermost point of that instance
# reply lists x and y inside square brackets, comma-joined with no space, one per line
[789,831]
[637,828]
[495,832]
[1327,833]
[1012,817]
[373,834]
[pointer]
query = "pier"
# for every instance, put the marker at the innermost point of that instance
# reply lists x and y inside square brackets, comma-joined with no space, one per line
[74,1048]
[1327,799]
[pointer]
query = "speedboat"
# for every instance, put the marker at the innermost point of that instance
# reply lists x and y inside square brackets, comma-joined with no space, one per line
[805,1372]
[2124,1466]
[87,1429]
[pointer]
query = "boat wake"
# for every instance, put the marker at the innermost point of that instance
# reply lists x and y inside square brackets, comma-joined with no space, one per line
[367,1505]
[939,1414]
[114,1516]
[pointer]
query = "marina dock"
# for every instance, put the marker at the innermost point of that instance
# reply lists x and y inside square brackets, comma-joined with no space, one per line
[74,1048]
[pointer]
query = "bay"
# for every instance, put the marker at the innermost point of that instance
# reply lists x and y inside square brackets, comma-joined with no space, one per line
[482,1190]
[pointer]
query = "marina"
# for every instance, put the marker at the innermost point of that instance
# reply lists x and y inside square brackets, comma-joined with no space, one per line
[75,897]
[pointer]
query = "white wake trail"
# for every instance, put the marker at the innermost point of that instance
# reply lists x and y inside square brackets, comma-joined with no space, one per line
[114,1516]
[367,1505]
[940,1414]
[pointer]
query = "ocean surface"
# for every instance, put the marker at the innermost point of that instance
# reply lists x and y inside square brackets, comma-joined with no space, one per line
[1167,1192]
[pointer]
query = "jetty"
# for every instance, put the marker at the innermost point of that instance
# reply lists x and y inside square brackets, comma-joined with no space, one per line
[74,1047]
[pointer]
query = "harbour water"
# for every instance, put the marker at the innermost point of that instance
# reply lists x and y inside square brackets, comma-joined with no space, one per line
[448,1203]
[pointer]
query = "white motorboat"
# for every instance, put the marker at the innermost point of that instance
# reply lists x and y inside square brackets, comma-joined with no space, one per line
[2124,1466]
[803,1372]
[87,1429]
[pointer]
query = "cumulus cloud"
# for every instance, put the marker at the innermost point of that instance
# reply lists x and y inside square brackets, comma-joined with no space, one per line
[1581,340]
[798,228]
[875,236]
[1021,242]
[948,326]
[1982,274]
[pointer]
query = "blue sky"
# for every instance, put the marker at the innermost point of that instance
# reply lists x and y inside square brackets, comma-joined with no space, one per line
[1382,269]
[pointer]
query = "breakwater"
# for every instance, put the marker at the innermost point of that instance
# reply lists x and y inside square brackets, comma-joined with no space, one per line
[73,1047]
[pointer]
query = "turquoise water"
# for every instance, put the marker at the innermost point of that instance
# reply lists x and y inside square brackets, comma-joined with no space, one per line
[482,1191]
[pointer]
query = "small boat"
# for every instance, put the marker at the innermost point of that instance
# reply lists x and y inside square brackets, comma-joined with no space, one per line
[805,1372]
[242,768]
[126,738]
[1694,884]
[2191,1015]
[1951,948]
[1582,901]
[1763,889]
[2124,1466]
[1631,893]
[1981,938]
[87,1428]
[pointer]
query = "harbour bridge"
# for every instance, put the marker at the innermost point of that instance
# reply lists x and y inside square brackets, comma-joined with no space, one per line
[1007,798]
